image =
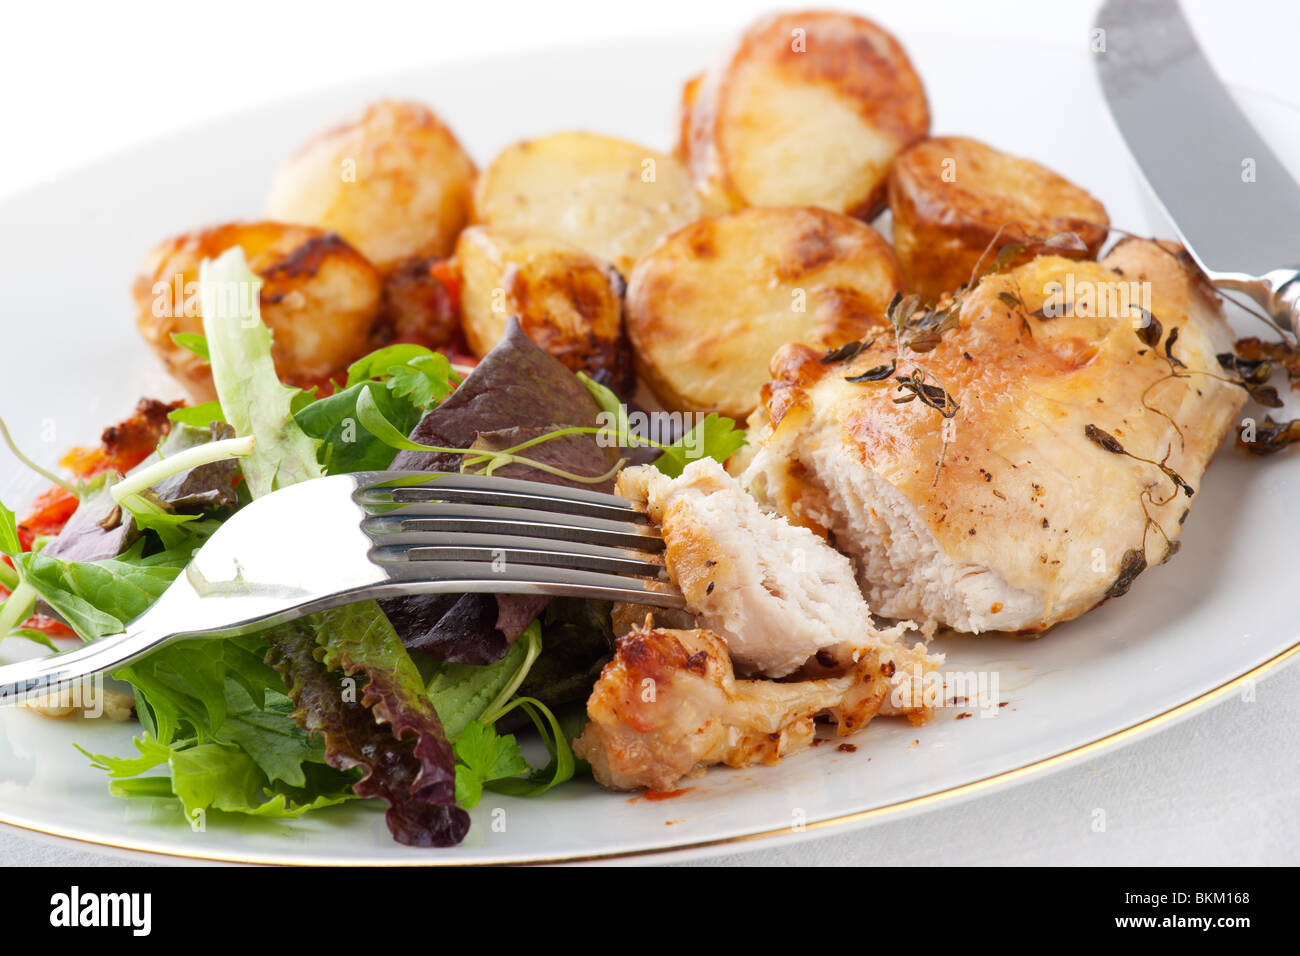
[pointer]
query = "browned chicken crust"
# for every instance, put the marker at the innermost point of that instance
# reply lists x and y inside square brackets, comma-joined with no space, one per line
[669,705]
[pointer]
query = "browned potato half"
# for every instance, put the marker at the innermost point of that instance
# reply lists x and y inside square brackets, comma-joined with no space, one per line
[956,200]
[319,297]
[690,90]
[809,110]
[568,302]
[609,197]
[394,183]
[708,307]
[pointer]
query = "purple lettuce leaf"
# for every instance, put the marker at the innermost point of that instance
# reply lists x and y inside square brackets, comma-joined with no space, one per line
[98,530]
[208,487]
[516,393]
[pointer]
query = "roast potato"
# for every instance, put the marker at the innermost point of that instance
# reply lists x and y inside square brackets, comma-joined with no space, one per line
[566,301]
[707,308]
[809,110]
[319,297]
[956,200]
[394,183]
[608,197]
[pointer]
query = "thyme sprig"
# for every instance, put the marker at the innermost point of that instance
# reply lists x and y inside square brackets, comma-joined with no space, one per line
[1110,443]
[914,330]
[1134,561]
[1272,436]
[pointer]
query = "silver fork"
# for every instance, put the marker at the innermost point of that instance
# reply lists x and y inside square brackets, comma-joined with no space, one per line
[332,541]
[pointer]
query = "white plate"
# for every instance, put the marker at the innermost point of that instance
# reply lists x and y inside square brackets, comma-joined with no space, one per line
[1185,634]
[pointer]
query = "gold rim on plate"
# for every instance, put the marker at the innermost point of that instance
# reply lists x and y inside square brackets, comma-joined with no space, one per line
[843,820]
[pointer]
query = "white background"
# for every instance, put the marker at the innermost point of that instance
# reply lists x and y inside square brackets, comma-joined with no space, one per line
[82,81]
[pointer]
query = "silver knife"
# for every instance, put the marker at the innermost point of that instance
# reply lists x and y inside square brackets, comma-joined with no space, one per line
[1235,207]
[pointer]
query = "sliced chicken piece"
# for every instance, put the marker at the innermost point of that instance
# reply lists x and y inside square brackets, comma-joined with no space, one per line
[775,592]
[669,705]
[1056,478]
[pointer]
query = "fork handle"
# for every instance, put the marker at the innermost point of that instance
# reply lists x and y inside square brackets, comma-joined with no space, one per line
[30,679]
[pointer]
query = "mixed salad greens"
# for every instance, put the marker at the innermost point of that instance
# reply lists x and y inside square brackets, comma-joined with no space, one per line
[412,700]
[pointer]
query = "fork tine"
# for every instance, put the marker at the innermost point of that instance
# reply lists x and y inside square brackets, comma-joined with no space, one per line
[607,559]
[410,541]
[404,487]
[431,516]
[445,532]
[468,576]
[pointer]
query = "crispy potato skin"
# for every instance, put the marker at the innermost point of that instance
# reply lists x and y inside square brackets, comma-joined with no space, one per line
[566,301]
[610,198]
[394,183]
[942,228]
[810,109]
[710,305]
[690,92]
[319,297]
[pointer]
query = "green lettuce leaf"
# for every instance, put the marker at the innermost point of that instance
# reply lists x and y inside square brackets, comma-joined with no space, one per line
[198,416]
[463,692]
[402,381]
[101,597]
[216,716]
[716,437]
[345,444]
[193,342]
[252,396]
[555,736]
[269,735]
[214,777]
[9,542]
[482,757]
[425,381]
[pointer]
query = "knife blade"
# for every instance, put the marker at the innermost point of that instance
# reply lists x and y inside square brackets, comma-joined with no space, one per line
[1234,204]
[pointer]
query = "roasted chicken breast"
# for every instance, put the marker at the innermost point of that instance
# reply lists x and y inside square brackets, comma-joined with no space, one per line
[775,592]
[669,705]
[1050,452]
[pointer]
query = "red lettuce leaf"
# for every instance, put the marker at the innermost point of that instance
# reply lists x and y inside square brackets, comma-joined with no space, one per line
[393,734]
